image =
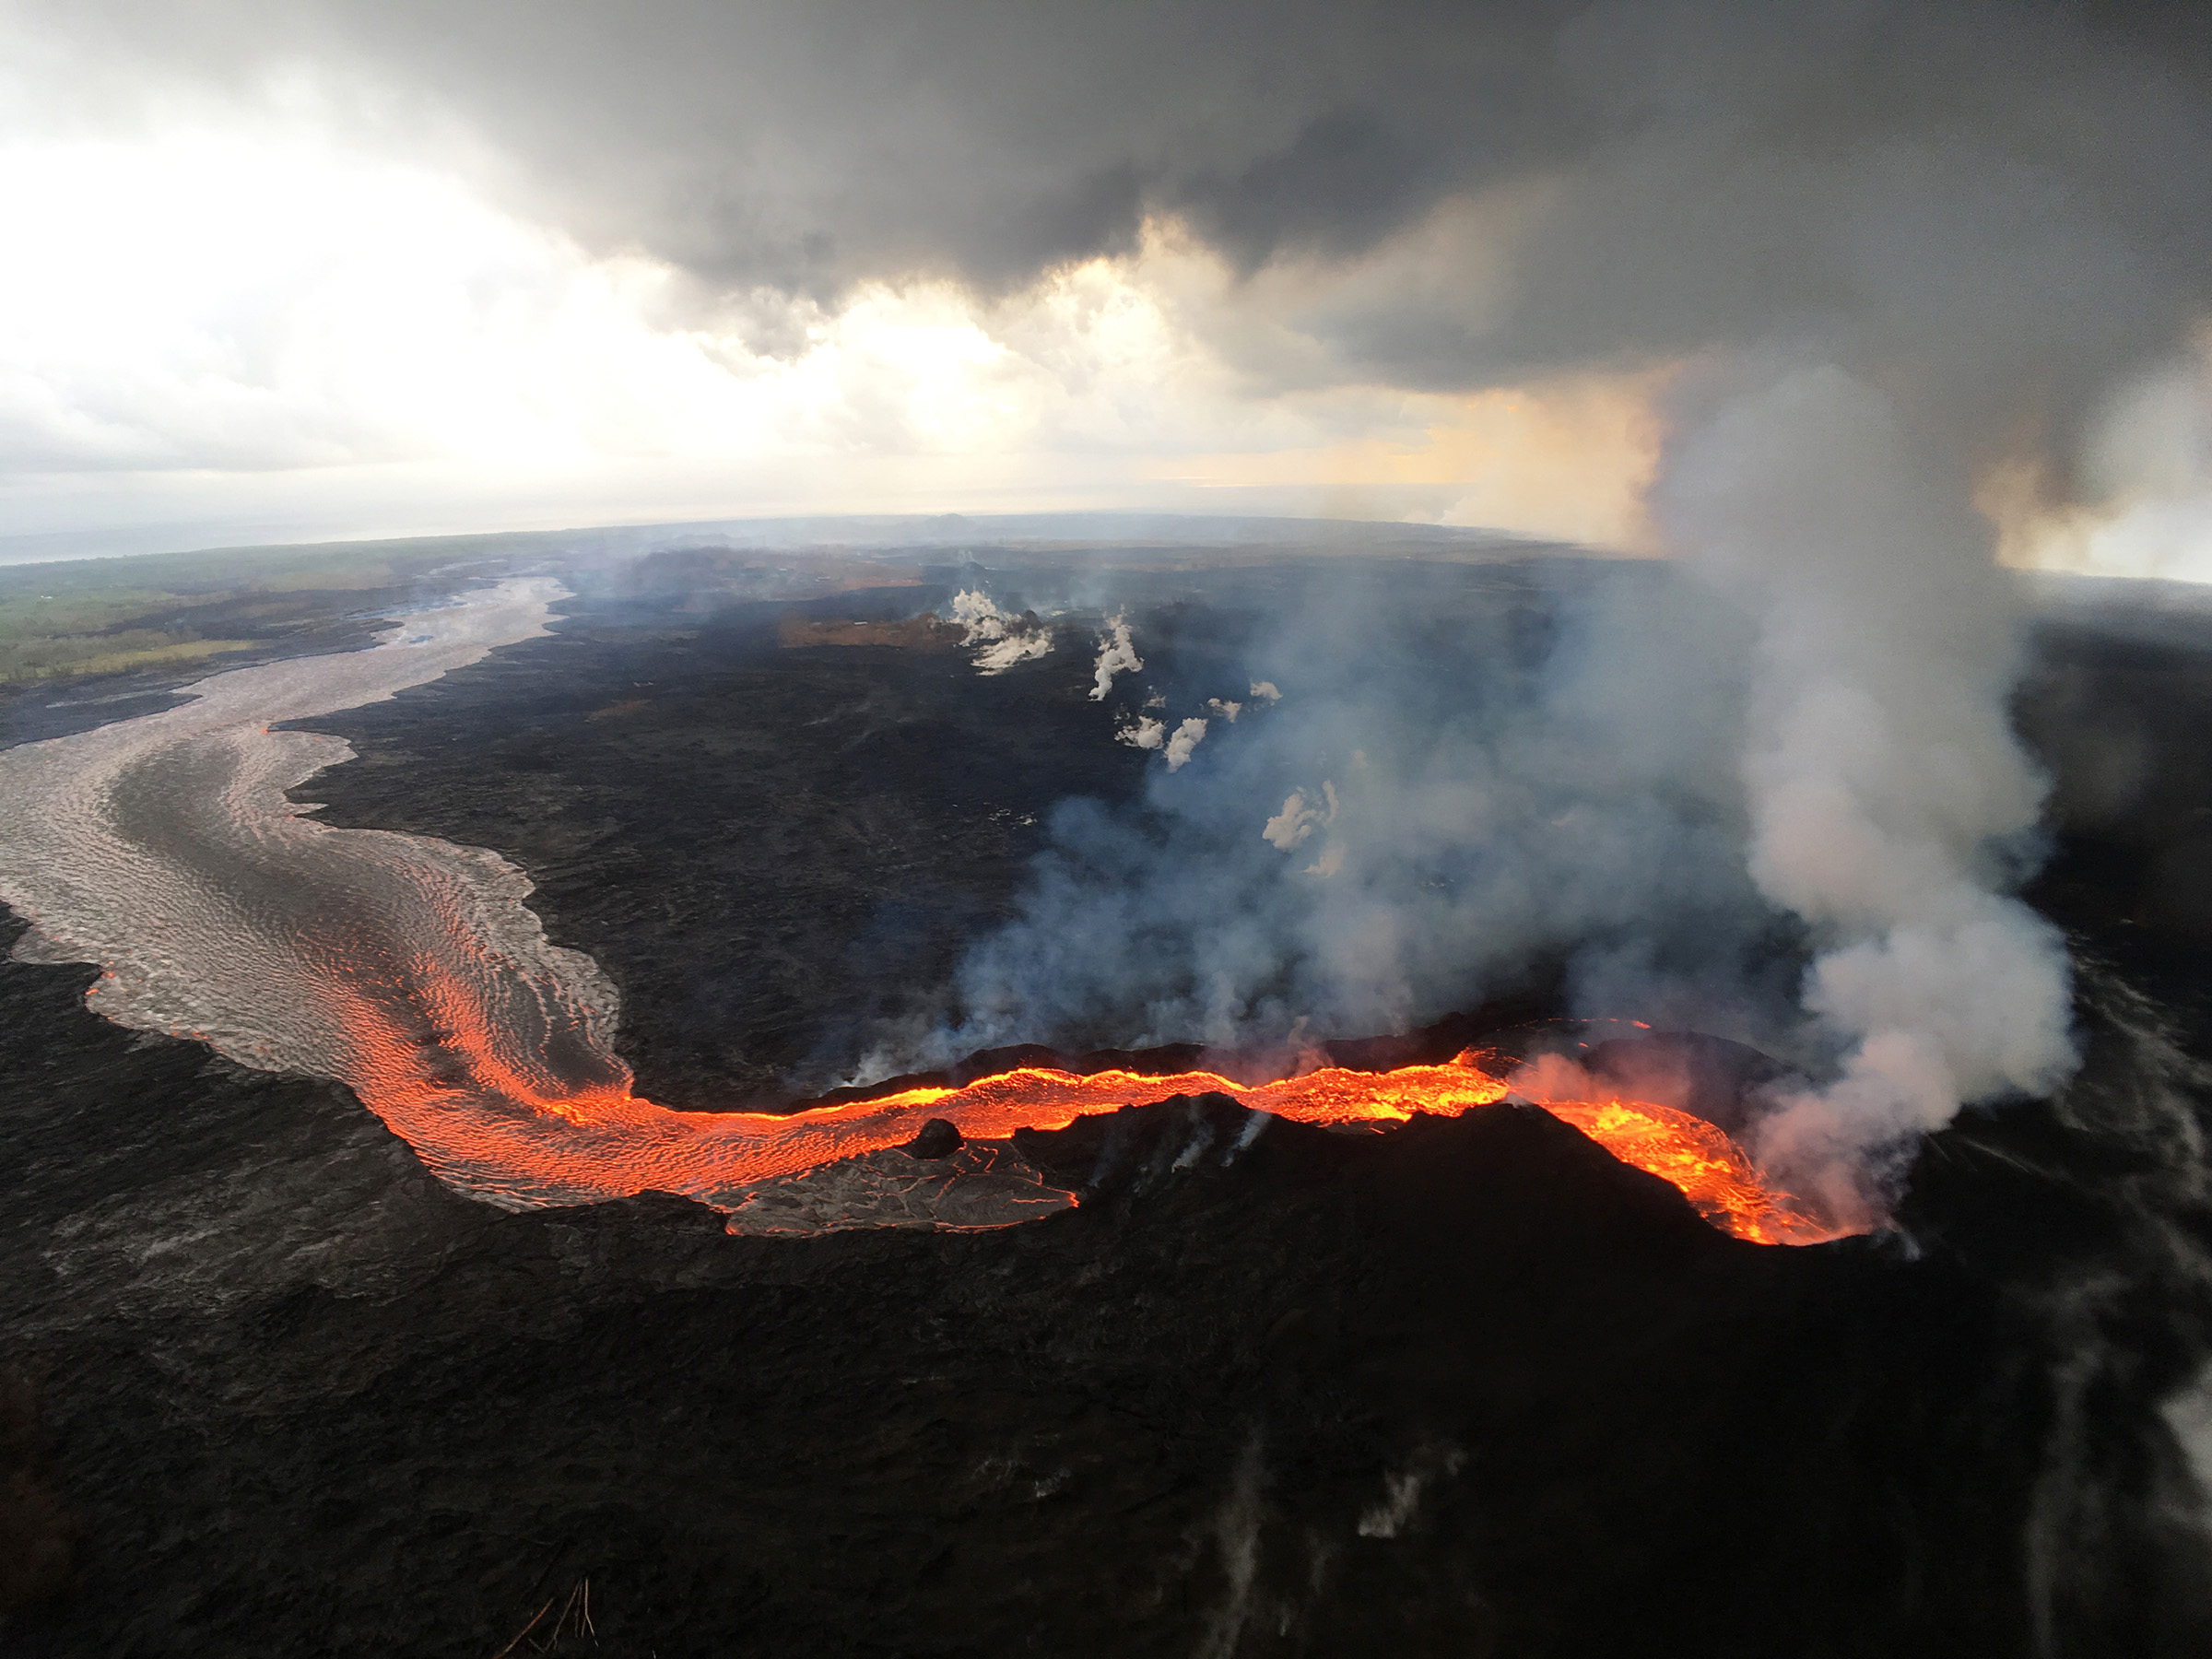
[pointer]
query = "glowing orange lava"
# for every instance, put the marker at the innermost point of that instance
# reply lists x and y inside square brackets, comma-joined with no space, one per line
[1692,1154]
[499,1124]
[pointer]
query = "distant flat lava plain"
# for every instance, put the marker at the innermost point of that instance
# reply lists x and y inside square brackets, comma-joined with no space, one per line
[1469,1387]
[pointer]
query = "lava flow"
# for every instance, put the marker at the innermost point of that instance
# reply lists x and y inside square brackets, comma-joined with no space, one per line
[1694,1156]
[515,1134]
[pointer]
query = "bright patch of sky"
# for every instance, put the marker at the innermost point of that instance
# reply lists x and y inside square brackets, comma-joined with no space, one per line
[253,327]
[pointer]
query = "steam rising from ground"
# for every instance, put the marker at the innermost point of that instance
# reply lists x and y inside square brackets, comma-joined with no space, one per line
[1459,769]
[1143,733]
[1771,792]
[1888,794]
[1117,655]
[1002,640]
[1185,742]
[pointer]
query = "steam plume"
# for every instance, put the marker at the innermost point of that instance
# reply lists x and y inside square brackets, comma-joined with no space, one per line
[1143,733]
[1794,817]
[1439,797]
[1185,741]
[1002,639]
[1117,654]
[1884,783]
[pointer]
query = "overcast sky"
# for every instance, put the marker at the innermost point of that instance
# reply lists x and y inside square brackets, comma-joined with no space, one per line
[335,269]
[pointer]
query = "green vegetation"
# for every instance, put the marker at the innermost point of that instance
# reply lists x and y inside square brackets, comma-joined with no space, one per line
[60,656]
[115,616]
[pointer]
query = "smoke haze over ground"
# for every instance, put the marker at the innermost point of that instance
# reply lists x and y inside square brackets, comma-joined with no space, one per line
[1790,751]
[1462,769]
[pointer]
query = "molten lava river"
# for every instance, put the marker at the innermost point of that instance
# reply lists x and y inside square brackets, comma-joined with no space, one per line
[167,849]
[611,1142]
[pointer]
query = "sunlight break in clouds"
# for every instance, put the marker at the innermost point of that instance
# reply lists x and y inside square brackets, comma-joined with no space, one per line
[254,325]
[2147,474]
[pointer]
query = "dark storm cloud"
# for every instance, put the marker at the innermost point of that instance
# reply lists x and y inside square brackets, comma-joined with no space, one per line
[1988,207]
[818,143]
[1940,188]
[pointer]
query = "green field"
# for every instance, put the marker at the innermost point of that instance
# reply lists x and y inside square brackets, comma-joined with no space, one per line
[92,617]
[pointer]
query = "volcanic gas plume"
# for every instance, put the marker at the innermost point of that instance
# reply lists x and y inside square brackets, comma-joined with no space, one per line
[165,849]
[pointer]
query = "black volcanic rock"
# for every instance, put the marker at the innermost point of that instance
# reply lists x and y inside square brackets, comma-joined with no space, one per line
[1468,1386]
[1128,1153]
[937,1138]
[38,1533]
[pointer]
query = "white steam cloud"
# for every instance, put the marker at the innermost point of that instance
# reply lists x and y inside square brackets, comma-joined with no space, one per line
[1299,818]
[1888,798]
[1184,743]
[1143,733]
[1117,654]
[1005,640]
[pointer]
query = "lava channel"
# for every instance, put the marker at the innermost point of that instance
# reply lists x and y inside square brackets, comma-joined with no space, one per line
[511,1133]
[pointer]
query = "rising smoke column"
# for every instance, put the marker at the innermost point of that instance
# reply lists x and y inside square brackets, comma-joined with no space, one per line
[1889,797]
[1117,655]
